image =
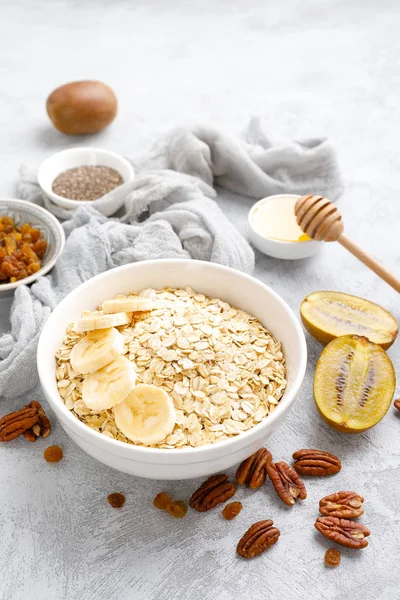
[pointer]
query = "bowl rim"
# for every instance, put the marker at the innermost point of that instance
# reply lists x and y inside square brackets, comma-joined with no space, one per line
[56,227]
[69,202]
[117,447]
[266,237]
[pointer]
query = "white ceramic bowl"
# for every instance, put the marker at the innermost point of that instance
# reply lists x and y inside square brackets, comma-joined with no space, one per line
[213,280]
[278,248]
[27,212]
[78,157]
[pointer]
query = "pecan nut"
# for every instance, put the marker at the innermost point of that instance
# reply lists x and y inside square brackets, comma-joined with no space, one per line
[286,482]
[347,533]
[261,536]
[212,492]
[33,433]
[252,471]
[345,505]
[44,422]
[16,423]
[316,462]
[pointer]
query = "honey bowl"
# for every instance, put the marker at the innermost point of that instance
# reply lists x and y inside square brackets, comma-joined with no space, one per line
[273,229]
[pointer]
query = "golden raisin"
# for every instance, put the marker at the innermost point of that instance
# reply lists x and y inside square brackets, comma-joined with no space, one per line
[40,247]
[177,509]
[25,228]
[10,245]
[232,510]
[116,500]
[28,254]
[7,223]
[332,557]
[53,454]
[162,501]
[33,267]
[35,234]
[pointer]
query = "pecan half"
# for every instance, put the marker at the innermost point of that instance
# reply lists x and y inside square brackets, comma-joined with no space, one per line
[16,423]
[347,533]
[32,434]
[261,536]
[345,505]
[44,422]
[252,471]
[316,462]
[397,404]
[286,482]
[212,492]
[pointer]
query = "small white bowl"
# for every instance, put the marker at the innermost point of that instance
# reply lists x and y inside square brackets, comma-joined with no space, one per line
[23,211]
[213,280]
[279,248]
[78,157]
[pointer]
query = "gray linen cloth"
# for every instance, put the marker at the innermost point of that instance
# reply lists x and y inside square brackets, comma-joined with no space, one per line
[168,211]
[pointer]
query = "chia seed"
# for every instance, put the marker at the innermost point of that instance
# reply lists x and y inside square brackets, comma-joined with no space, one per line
[86,183]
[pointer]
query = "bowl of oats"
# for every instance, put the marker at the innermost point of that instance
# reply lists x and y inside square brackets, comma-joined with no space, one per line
[171,369]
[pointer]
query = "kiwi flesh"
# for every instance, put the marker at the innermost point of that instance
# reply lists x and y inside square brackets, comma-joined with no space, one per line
[354,383]
[327,315]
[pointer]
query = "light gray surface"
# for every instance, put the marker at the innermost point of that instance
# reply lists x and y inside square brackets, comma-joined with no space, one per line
[307,68]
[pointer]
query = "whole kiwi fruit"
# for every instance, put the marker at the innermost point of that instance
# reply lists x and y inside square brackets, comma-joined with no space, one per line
[82,107]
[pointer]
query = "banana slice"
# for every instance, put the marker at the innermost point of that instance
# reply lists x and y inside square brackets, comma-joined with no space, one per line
[147,415]
[131,304]
[110,385]
[96,350]
[102,321]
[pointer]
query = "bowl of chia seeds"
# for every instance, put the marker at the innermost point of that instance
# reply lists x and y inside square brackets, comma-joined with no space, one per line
[71,177]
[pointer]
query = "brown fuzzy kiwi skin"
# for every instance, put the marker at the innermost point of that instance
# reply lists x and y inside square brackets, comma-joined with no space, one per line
[342,428]
[325,337]
[82,107]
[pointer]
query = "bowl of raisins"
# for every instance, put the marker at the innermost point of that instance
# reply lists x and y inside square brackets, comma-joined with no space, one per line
[31,240]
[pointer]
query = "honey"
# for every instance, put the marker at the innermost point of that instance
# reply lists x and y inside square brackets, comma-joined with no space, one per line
[274,218]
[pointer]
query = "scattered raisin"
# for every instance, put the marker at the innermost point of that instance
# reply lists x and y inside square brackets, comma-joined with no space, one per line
[162,501]
[332,557]
[397,404]
[177,509]
[53,454]
[116,500]
[232,510]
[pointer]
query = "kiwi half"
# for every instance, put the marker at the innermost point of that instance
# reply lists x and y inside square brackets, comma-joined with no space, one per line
[354,383]
[328,315]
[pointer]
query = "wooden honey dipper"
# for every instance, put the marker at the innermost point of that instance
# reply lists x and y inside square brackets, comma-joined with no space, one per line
[320,219]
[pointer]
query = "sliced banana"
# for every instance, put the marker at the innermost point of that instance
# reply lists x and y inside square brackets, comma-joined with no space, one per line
[147,415]
[102,321]
[110,385]
[96,350]
[131,304]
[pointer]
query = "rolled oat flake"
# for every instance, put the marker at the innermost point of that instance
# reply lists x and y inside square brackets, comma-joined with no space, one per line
[86,183]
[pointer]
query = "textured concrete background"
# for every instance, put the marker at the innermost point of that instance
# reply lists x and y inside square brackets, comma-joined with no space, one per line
[307,67]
